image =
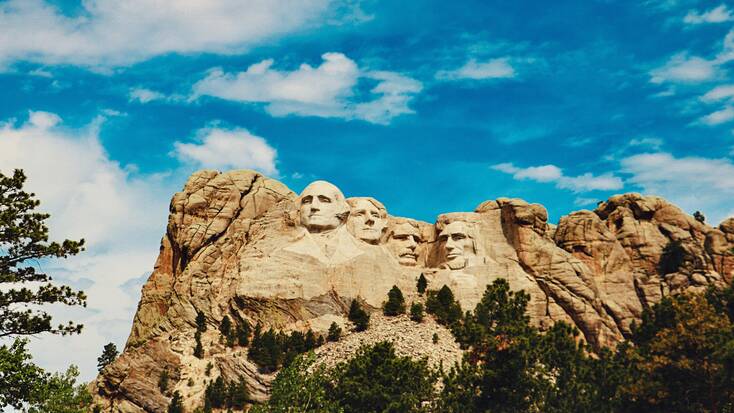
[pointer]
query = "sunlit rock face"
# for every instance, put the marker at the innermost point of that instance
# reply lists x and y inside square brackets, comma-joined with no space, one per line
[241,245]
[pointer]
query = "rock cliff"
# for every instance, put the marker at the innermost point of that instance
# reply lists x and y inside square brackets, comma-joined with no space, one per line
[241,245]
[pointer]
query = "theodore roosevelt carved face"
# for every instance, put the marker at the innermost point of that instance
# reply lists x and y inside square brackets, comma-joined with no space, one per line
[367,219]
[457,244]
[403,241]
[322,207]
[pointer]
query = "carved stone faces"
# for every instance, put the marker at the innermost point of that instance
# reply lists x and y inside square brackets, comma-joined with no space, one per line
[457,244]
[403,241]
[367,219]
[322,207]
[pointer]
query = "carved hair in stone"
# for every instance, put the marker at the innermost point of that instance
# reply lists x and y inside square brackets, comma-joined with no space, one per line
[457,244]
[403,241]
[322,207]
[367,219]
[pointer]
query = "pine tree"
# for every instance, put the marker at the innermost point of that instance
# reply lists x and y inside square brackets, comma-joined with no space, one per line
[416,312]
[24,241]
[176,405]
[443,306]
[358,316]
[335,332]
[243,334]
[395,302]
[698,215]
[200,321]
[310,341]
[422,284]
[163,380]
[109,354]
[198,349]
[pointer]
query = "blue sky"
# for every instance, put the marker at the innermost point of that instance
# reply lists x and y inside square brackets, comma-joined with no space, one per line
[429,106]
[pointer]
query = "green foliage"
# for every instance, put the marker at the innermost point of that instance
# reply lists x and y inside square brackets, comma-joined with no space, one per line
[435,338]
[109,354]
[225,327]
[335,332]
[198,349]
[698,215]
[163,379]
[271,350]
[683,357]
[295,388]
[395,302]
[60,393]
[416,312]
[377,380]
[672,258]
[221,395]
[18,375]
[358,316]
[443,306]
[511,367]
[243,334]
[23,242]
[208,370]
[422,284]
[200,321]
[176,405]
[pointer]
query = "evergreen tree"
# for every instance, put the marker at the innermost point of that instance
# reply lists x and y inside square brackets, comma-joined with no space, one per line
[243,334]
[335,332]
[358,316]
[225,326]
[176,405]
[216,393]
[109,354]
[416,312]
[163,380]
[310,341]
[198,349]
[422,284]
[238,395]
[443,306]
[698,215]
[60,393]
[395,302]
[23,242]
[200,321]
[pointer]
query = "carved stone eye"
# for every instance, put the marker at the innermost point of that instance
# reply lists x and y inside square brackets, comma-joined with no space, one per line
[307,199]
[324,199]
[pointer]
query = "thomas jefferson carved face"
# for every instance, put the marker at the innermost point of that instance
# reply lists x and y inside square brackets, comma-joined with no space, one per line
[367,219]
[322,207]
[457,244]
[403,242]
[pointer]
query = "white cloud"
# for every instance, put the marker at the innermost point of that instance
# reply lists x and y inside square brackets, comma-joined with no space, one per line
[492,69]
[720,14]
[718,93]
[110,33]
[143,95]
[685,69]
[226,149]
[120,216]
[551,173]
[720,116]
[327,90]
[692,183]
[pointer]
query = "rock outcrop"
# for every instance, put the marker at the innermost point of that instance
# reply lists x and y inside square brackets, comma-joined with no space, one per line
[244,246]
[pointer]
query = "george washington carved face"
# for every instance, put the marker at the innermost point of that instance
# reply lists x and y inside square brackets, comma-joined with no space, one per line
[322,207]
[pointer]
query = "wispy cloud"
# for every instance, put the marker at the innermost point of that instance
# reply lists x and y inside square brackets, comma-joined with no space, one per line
[144,95]
[720,116]
[226,149]
[693,183]
[121,215]
[718,93]
[553,174]
[111,33]
[685,69]
[720,14]
[327,90]
[499,68]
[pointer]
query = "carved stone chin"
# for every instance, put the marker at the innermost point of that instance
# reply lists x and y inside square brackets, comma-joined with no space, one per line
[322,207]
[367,219]
[403,242]
[457,245]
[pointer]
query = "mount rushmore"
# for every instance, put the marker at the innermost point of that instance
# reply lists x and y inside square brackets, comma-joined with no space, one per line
[242,245]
